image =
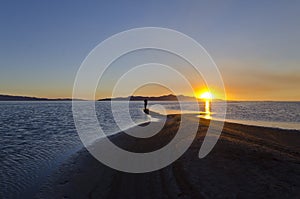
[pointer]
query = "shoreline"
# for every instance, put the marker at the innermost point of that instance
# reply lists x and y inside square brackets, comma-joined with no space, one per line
[241,149]
[260,123]
[266,124]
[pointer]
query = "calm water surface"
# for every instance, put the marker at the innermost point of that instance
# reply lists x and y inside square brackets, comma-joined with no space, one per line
[37,136]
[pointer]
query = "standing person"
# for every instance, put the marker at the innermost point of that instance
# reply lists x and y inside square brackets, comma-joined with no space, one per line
[145,107]
[145,103]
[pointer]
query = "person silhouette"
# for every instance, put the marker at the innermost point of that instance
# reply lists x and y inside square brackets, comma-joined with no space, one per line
[145,103]
[145,106]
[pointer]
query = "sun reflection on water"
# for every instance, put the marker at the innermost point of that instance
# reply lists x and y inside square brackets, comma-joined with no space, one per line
[207,112]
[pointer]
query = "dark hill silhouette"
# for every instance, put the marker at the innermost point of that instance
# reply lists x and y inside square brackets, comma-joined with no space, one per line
[131,98]
[26,98]
[159,98]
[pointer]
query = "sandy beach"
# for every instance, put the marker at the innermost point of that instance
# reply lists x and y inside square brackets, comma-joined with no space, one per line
[246,162]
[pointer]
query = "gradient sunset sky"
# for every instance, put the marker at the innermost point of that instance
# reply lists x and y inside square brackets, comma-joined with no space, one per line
[255,44]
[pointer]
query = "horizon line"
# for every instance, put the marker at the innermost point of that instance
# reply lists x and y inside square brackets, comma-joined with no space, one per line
[70,98]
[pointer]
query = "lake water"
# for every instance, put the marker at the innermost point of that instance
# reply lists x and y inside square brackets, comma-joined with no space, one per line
[284,115]
[36,137]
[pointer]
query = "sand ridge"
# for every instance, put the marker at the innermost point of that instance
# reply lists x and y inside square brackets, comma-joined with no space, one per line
[247,162]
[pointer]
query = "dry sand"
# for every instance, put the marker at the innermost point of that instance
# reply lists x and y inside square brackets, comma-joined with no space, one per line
[247,162]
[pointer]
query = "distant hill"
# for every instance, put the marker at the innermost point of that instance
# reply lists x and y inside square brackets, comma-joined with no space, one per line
[160,98]
[25,98]
[131,98]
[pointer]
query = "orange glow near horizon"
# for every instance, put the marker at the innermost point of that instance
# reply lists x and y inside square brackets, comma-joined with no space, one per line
[211,93]
[206,95]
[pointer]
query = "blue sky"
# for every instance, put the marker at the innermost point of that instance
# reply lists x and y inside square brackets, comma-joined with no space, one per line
[255,44]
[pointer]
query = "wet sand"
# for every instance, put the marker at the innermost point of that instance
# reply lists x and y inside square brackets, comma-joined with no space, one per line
[246,162]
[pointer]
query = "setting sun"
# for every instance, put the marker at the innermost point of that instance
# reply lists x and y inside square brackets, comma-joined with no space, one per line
[206,95]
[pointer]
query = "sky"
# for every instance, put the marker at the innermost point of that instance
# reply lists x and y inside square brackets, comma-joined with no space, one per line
[255,44]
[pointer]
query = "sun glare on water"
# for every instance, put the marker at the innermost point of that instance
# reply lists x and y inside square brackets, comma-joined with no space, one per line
[207,97]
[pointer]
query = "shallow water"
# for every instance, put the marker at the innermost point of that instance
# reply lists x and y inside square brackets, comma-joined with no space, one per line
[285,115]
[37,136]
